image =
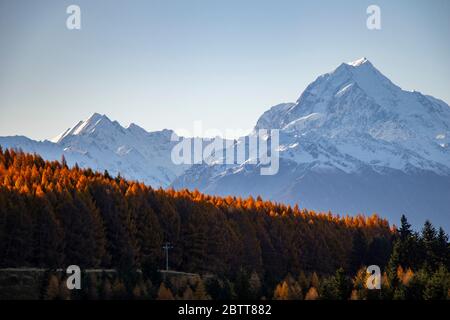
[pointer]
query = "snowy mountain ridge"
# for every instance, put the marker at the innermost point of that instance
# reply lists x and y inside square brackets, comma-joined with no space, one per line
[102,144]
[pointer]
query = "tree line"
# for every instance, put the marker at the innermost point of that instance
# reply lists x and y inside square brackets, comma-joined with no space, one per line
[52,216]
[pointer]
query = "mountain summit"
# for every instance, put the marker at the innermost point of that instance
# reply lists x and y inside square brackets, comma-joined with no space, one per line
[85,127]
[360,113]
[359,62]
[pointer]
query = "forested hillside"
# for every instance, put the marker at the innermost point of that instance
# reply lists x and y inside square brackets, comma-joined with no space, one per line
[53,216]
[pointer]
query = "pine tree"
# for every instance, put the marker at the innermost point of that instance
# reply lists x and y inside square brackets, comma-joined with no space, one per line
[137,292]
[315,280]
[342,284]
[188,294]
[312,294]
[354,295]
[405,228]
[200,291]
[63,161]
[164,293]
[106,292]
[148,235]
[303,282]
[255,285]
[281,291]
[52,288]
[443,248]
[429,242]
[394,263]
[242,285]
[438,285]
[337,287]
[64,292]
[119,290]
[92,287]
[409,245]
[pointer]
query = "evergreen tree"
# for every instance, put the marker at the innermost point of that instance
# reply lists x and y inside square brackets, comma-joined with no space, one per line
[63,161]
[92,287]
[394,262]
[200,291]
[137,292]
[64,292]
[242,285]
[188,294]
[255,285]
[303,282]
[52,288]
[438,285]
[337,287]
[312,294]
[106,292]
[405,228]
[429,243]
[315,282]
[119,290]
[443,248]
[164,293]
[281,291]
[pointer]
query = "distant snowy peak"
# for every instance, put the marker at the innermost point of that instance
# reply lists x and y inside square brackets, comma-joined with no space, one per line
[358,62]
[100,143]
[84,127]
[353,80]
[358,87]
[360,73]
[98,125]
[365,118]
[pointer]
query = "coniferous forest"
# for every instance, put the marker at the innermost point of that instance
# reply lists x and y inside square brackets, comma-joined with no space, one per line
[53,216]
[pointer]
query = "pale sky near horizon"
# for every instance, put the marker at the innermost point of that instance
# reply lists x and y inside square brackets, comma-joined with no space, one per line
[165,64]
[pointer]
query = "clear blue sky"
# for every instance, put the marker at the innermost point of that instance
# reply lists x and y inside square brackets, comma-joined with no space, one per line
[166,63]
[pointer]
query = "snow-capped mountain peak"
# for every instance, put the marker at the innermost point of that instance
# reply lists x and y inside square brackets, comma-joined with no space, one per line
[100,143]
[360,112]
[359,62]
[86,127]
